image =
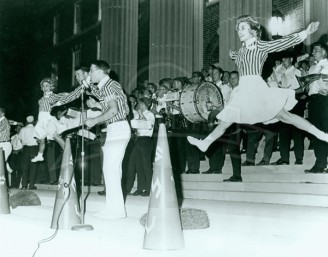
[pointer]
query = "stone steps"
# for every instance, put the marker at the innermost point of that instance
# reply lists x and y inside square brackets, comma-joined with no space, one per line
[259,197]
[285,184]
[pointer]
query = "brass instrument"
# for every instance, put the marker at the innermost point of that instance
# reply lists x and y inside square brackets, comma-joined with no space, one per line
[305,81]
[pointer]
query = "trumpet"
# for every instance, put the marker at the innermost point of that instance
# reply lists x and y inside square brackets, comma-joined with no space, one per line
[305,81]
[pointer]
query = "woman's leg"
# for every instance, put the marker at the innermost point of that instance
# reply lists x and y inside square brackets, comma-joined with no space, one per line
[215,134]
[42,146]
[301,123]
[59,140]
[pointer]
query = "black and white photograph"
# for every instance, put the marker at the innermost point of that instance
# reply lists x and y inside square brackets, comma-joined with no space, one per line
[163,128]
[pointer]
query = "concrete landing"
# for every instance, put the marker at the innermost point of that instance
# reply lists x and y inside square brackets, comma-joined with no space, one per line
[237,229]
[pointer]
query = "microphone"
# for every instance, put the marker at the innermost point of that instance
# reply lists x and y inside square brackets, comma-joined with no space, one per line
[84,83]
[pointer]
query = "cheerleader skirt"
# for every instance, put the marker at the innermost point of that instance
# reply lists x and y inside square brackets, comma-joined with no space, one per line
[253,101]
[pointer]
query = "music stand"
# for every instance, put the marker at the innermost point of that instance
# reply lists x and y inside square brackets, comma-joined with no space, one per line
[82,226]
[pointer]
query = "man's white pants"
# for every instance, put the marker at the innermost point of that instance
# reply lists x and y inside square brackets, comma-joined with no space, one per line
[118,136]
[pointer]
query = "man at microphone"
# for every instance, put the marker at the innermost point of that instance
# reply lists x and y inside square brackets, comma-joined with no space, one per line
[114,109]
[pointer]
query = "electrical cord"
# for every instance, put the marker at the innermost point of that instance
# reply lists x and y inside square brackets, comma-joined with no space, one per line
[66,185]
[48,239]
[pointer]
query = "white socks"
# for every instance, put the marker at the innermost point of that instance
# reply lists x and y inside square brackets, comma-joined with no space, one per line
[201,144]
[318,133]
[38,158]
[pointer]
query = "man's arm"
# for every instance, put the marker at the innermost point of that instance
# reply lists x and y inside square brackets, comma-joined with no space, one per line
[107,114]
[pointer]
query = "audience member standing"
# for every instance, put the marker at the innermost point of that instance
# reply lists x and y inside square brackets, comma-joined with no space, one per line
[5,136]
[30,149]
[16,158]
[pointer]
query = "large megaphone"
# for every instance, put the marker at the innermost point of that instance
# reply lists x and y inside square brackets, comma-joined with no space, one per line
[305,81]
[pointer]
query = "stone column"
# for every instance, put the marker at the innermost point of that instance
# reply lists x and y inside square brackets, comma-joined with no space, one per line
[230,10]
[176,38]
[119,39]
[316,11]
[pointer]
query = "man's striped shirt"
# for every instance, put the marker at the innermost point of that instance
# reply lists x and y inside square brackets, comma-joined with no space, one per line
[4,129]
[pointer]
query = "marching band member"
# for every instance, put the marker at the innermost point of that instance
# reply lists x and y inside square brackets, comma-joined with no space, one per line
[318,107]
[178,128]
[140,157]
[253,101]
[286,131]
[275,77]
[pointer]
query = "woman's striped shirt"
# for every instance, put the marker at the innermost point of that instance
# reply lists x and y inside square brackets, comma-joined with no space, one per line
[47,101]
[251,57]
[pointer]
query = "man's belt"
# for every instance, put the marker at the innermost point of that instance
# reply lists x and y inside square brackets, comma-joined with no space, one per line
[116,121]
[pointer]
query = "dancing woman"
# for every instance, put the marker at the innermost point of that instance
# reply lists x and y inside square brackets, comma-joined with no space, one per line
[253,101]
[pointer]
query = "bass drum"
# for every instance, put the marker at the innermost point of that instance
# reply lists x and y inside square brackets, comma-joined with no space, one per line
[197,101]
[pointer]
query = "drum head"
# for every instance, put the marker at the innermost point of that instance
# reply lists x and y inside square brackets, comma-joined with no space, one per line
[208,94]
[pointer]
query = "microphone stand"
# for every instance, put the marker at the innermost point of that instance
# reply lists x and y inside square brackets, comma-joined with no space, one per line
[82,226]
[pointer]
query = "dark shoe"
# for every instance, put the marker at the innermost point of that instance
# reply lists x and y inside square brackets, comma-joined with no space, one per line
[263,162]
[217,171]
[280,162]
[32,188]
[248,163]
[233,179]
[208,172]
[315,170]
[193,171]
[145,193]
[299,163]
[101,193]
[137,192]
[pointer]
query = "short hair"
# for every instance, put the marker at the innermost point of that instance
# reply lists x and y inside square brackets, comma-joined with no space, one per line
[82,68]
[145,101]
[235,72]
[102,65]
[219,69]
[254,25]
[167,81]
[48,80]
[153,85]
[182,80]
[198,74]
[148,91]
[322,46]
